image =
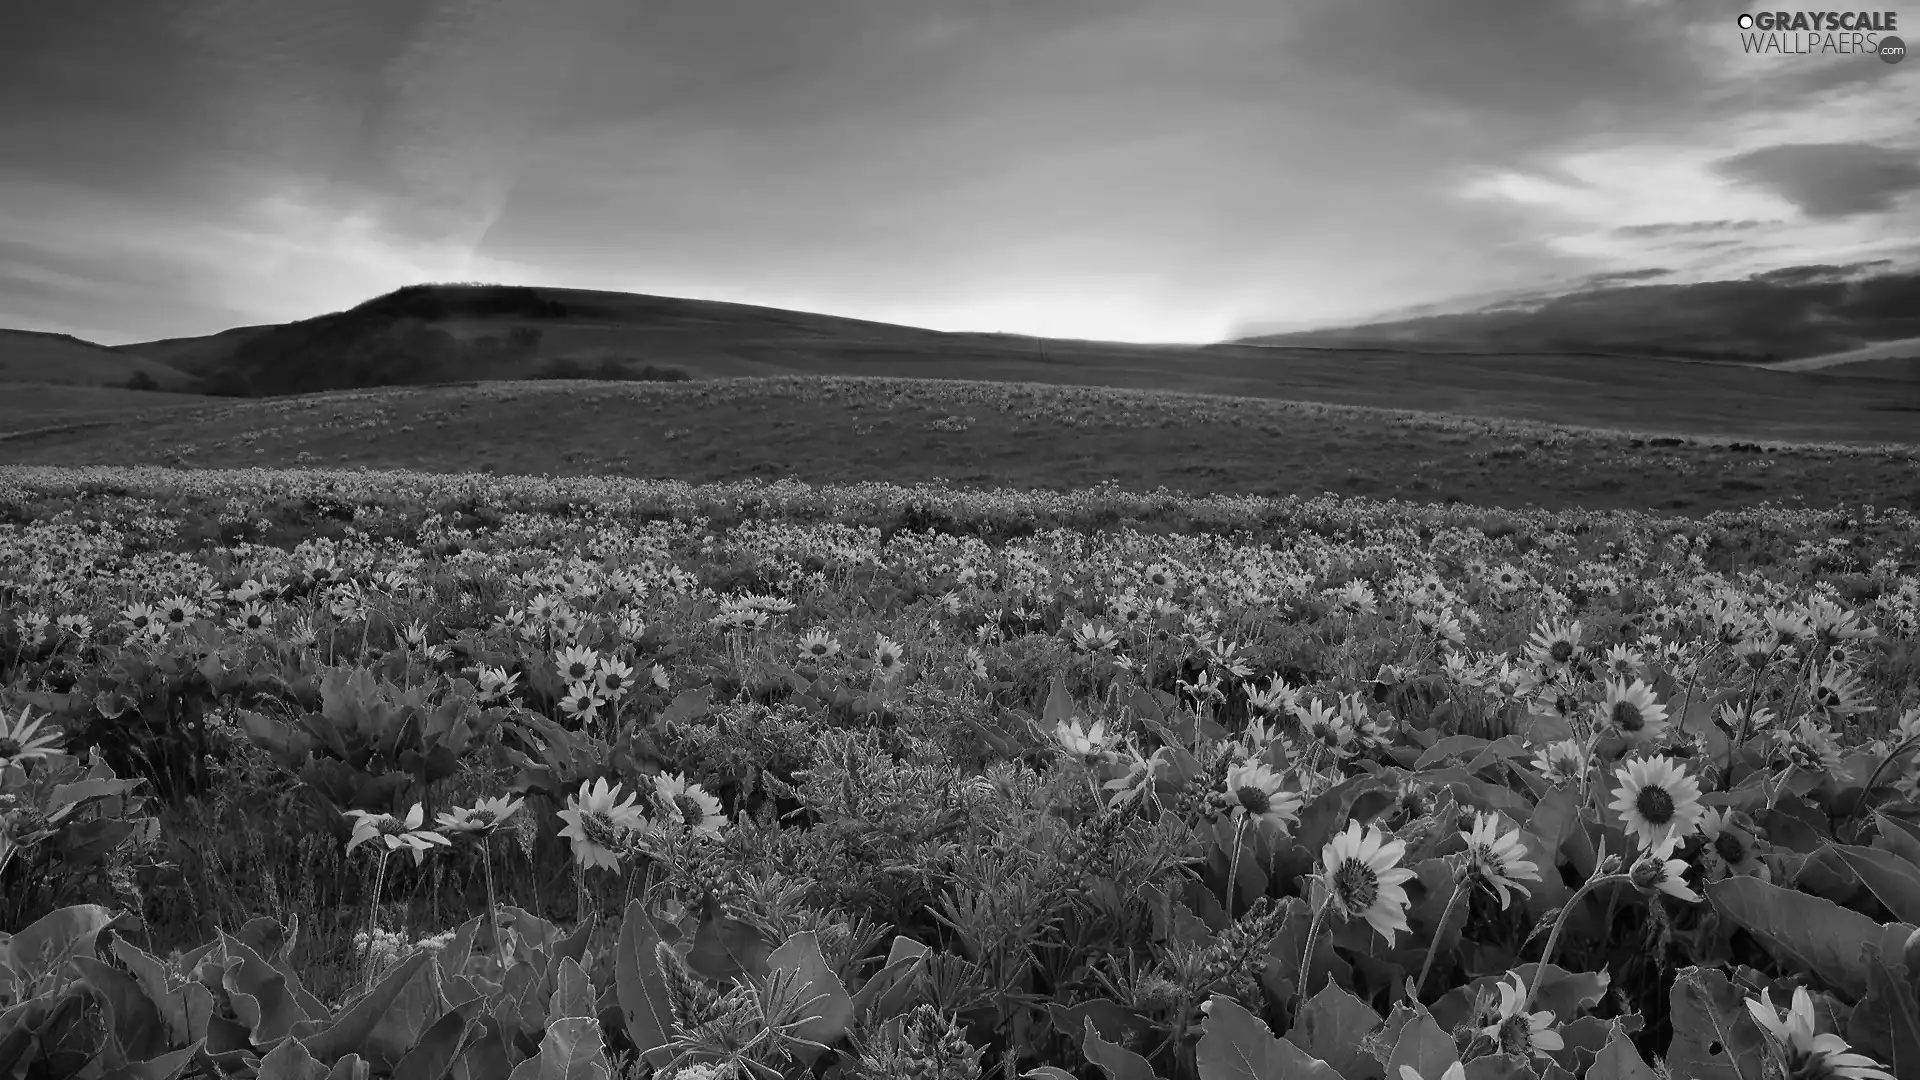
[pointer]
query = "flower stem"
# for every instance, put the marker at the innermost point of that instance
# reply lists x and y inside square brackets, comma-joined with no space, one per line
[493,905]
[1880,768]
[1559,924]
[373,916]
[1306,955]
[1426,966]
[1233,866]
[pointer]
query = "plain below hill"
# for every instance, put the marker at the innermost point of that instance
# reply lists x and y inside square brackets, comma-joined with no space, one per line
[30,356]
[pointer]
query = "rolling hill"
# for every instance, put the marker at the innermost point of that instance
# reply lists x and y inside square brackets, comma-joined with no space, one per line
[28,356]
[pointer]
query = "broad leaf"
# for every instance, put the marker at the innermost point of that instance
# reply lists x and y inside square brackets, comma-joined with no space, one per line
[827,1000]
[1714,1037]
[1237,1046]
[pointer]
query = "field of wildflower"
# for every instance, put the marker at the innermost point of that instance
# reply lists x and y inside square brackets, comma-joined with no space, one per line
[318,774]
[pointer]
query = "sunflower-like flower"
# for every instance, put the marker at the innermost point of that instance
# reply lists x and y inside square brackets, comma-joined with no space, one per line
[1563,762]
[1657,800]
[695,808]
[1554,644]
[1363,878]
[889,658]
[27,738]
[1327,726]
[1257,793]
[1657,871]
[1800,1051]
[396,833]
[1498,862]
[1631,710]
[817,644]
[1838,692]
[1090,746]
[1730,849]
[1517,1032]
[482,817]
[594,819]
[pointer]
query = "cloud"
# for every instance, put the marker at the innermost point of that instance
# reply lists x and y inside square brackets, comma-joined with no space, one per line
[1829,180]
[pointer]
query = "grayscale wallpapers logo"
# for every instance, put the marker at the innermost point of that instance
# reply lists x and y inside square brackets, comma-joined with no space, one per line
[1803,33]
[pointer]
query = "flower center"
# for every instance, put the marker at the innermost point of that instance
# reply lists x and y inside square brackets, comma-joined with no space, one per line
[483,817]
[1627,716]
[690,809]
[1516,1035]
[10,747]
[392,826]
[1355,885]
[1654,804]
[1826,697]
[1561,651]
[598,829]
[1729,847]
[1255,799]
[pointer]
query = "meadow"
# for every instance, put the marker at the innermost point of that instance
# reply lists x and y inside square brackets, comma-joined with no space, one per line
[327,772]
[845,430]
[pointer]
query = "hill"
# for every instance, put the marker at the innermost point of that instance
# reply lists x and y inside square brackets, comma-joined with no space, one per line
[1887,359]
[435,334]
[984,434]
[29,356]
[1787,314]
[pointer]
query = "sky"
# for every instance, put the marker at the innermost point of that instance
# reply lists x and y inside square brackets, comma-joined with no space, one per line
[1180,170]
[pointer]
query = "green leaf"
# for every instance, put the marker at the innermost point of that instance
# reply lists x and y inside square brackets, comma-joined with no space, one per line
[888,992]
[573,992]
[291,1061]
[42,949]
[164,1067]
[1620,1061]
[1817,935]
[642,989]
[259,994]
[1887,1023]
[132,1018]
[1236,1045]
[1117,1062]
[828,1003]
[1897,836]
[571,1050]
[1047,1072]
[350,1029]
[1423,1047]
[1714,1038]
[433,1056]
[1894,881]
[1330,1027]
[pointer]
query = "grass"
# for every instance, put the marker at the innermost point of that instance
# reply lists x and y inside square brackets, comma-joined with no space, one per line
[845,430]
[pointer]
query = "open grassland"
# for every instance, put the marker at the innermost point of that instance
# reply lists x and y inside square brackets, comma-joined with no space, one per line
[340,773]
[844,430]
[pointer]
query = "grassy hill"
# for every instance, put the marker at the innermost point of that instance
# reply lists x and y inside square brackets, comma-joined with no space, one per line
[435,334]
[28,356]
[986,434]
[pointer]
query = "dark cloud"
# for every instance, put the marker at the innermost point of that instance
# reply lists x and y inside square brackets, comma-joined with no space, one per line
[1829,180]
[1679,228]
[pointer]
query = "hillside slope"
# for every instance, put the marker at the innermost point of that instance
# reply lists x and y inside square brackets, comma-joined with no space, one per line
[29,356]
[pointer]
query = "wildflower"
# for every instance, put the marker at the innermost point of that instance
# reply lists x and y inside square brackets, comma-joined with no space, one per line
[594,819]
[1563,762]
[1803,1053]
[1363,878]
[396,833]
[613,678]
[817,644]
[1554,645]
[1656,871]
[888,657]
[1657,800]
[658,676]
[976,663]
[1256,792]
[1143,771]
[1327,727]
[1507,578]
[1809,745]
[1496,862]
[695,808]
[1838,692]
[1632,711]
[483,817]
[1730,850]
[1521,1033]
[1276,699]
[1091,638]
[25,740]
[1622,662]
[576,665]
[1089,745]
[580,702]
[496,683]
[253,618]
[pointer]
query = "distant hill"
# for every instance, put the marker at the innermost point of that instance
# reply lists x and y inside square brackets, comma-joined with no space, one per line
[29,356]
[1784,315]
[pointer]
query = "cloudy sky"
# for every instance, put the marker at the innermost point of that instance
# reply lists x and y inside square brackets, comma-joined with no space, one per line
[1123,169]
